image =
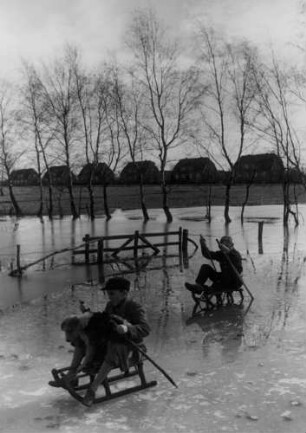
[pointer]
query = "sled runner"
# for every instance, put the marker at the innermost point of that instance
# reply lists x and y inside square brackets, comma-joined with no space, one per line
[212,297]
[80,383]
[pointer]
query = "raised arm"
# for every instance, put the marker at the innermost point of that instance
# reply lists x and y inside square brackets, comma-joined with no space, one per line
[211,255]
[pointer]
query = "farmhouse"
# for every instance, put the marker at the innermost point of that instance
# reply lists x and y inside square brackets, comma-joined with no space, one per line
[267,167]
[59,175]
[25,176]
[194,170]
[132,172]
[101,174]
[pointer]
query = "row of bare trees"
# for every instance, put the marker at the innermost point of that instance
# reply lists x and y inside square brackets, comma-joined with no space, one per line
[222,105]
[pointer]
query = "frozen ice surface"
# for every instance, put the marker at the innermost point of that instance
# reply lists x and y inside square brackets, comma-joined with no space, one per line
[238,370]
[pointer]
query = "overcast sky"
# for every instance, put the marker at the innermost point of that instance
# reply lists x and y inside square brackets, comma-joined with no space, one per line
[37,29]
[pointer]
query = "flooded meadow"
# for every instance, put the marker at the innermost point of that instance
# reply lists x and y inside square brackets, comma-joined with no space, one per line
[239,368]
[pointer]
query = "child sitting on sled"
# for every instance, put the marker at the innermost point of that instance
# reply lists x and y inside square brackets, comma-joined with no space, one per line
[100,339]
[106,338]
[229,259]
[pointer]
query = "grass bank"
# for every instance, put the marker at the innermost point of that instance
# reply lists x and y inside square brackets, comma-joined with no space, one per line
[127,197]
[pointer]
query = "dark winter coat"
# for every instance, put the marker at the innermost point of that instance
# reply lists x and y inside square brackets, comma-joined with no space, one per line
[228,274]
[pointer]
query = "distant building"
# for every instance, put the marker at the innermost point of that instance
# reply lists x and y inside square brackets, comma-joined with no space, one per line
[194,170]
[102,174]
[59,175]
[132,171]
[268,168]
[25,176]
[296,176]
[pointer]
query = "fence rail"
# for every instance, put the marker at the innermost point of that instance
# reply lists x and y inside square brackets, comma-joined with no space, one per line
[95,245]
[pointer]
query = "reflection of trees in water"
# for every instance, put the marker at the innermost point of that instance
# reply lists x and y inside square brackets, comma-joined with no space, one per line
[166,289]
[245,238]
[223,327]
[285,295]
[289,275]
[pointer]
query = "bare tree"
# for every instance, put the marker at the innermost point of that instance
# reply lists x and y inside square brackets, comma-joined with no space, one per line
[276,108]
[91,120]
[61,104]
[10,154]
[227,111]
[114,149]
[171,91]
[37,121]
[129,100]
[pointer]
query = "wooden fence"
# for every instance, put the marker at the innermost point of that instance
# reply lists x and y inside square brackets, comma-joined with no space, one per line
[95,248]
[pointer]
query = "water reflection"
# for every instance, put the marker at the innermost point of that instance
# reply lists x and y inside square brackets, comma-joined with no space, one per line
[223,330]
[38,238]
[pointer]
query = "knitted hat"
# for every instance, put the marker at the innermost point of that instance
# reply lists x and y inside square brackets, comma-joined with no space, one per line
[227,241]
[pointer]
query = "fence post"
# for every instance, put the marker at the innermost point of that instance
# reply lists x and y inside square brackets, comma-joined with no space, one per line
[86,239]
[136,237]
[185,249]
[18,259]
[260,230]
[180,240]
[100,260]
[100,250]
[185,242]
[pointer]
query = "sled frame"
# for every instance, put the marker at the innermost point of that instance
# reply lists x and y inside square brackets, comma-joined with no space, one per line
[205,301]
[77,389]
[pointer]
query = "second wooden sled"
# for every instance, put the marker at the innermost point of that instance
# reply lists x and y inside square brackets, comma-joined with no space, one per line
[213,297]
[77,388]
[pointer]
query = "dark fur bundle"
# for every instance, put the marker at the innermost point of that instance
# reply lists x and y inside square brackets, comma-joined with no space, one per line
[100,328]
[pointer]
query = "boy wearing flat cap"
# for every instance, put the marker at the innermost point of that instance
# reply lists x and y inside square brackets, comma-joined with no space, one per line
[130,322]
[227,277]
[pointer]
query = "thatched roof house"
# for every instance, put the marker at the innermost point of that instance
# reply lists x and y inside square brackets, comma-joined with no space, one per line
[24,176]
[132,171]
[268,168]
[102,174]
[59,175]
[194,170]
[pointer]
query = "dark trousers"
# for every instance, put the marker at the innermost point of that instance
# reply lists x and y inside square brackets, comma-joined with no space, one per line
[206,272]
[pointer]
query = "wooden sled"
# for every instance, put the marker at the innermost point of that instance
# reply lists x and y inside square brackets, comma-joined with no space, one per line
[77,388]
[214,297]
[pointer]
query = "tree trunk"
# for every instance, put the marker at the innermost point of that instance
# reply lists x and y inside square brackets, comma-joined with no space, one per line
[105,201]
[142,201]
[165,203]
[91,194]
[91,201]
[287,210]
[247,194]
[227,202]
[50,194]
[50,186]
[286,204]
[41,195]
[208,205]
[41,190]
[74,211]
[60,209]
[17,209]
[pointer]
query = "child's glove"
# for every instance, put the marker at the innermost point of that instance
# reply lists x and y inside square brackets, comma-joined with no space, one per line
[121,329]
[224,249]
[202,241]
[120,324]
